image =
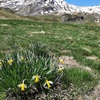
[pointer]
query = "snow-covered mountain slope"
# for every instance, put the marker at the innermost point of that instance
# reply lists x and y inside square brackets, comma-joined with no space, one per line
[87,9]
[36,7]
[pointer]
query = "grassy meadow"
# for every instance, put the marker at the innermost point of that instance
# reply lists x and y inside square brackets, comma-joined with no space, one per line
[80,41]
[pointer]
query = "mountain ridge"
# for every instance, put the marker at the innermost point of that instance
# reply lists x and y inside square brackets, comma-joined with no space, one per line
[41,7]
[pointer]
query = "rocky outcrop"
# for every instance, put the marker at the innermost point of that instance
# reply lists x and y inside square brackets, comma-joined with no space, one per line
[80,17]
[72,18]
[92,17]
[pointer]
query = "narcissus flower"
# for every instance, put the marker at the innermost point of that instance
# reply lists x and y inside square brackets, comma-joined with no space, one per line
[61,61]
[10,61]
[22,58]
[60,69]
[36,78]
[47,84]
[22,86]
[0,64]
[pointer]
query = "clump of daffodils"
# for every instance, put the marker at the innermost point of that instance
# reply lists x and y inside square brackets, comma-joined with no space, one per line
[38,71]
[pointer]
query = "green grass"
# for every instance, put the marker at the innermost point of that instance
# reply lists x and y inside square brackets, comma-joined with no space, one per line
[2,96]
[80,81]
[81,40]
[79,77]
[78,40]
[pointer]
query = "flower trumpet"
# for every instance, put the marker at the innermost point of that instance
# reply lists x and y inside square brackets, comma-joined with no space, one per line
[36,78]
[61,61]
[10,61]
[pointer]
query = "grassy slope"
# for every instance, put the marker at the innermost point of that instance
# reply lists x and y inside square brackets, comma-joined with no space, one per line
[77,40]
[4,14]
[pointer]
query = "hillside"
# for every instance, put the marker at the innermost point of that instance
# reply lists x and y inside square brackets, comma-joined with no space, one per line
[74,45]
[77,44]
[8,14]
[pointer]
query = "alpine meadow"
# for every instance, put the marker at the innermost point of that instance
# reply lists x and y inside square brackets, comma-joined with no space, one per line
[46,57]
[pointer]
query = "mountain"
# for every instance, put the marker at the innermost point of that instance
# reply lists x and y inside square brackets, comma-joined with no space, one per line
[41,7]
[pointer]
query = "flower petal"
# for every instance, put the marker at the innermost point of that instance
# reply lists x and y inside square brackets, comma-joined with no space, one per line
[50,82]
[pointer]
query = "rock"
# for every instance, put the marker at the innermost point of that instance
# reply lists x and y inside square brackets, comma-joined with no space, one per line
[72,18]
[80,17]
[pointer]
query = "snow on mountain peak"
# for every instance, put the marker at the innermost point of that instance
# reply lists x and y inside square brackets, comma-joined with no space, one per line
[35,7]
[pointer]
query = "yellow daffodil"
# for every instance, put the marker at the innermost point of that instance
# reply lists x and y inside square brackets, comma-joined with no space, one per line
[22,58]
[22,86]
[0,64]
[60,69]
[48,83]
[10,61]
[36,78]
[61,61]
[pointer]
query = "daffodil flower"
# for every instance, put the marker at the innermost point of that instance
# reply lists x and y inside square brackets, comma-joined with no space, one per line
[60,69]
[10,61]
[61,61]
[48,84]
[0,64]
[22,86]
[22,58]
[36,78]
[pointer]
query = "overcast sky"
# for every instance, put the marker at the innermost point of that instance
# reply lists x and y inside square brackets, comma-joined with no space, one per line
[84,2]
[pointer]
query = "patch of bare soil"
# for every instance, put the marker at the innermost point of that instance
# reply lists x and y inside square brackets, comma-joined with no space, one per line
[95,94]
[68,61]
